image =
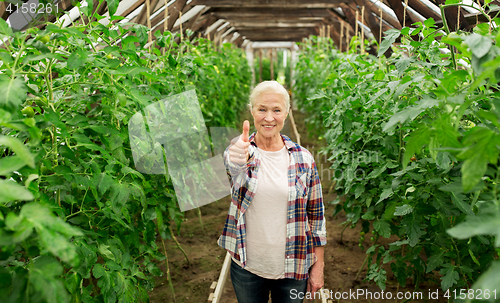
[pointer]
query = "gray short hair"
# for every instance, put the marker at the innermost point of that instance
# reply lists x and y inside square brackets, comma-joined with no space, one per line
[266,87]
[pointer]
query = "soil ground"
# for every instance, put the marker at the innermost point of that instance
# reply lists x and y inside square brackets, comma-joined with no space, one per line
[343,259]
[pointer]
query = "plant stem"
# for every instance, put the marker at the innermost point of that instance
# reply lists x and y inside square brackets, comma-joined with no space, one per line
[366,259]
[342,233]
[199,217]
[168,271]
[179,246]
[361,268]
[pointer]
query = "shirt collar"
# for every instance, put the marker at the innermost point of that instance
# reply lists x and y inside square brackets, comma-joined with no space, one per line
[290,145]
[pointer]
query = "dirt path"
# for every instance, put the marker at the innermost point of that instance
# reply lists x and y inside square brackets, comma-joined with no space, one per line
[342,260]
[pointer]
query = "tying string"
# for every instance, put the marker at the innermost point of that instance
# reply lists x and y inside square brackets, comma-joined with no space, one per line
[404,13]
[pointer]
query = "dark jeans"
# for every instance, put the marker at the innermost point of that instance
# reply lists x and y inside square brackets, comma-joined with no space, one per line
[250,288]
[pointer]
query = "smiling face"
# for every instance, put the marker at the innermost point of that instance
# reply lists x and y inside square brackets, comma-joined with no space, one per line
[269,113]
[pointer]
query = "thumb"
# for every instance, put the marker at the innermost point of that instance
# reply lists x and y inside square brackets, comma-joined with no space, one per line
[246,129]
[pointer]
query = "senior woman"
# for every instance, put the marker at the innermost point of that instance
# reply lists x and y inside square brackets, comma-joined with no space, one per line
[275,228]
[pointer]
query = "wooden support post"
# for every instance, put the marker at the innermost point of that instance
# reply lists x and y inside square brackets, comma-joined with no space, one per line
[380,34]
[356,28]
[272,65]
[291,70]
[180,24]
[348,42]
[260,65]
[362,30]
[328,36]
[148,14]
[324,34]
[165,13]
[219,287]
[404,13]
[341,34]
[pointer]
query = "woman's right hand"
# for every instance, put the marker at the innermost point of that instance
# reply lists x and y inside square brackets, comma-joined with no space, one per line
[238,151]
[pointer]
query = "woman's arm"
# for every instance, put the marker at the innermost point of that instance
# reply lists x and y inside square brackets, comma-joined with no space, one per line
[316,272]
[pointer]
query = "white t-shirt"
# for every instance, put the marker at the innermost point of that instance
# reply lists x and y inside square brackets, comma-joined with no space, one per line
[266,217]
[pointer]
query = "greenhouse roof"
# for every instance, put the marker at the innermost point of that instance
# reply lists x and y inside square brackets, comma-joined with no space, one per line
[237,21]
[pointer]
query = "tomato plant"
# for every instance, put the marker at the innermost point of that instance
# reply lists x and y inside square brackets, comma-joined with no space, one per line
[78,222]
[414,144]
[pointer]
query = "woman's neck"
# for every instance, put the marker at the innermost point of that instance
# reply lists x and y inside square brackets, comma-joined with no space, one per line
[274,143]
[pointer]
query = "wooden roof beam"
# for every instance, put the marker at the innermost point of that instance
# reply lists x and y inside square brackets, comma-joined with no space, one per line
[390,19]
[274,3]
[273,24]
[174,11]
[266,12]
[142,17]
[451,17]
[399,10]
[424,10]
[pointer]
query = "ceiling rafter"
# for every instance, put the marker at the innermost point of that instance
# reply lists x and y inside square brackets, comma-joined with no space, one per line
[278,20]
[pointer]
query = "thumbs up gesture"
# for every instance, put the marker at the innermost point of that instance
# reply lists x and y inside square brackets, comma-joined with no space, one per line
[238,152]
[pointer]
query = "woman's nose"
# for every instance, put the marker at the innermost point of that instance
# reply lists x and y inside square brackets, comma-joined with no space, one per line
[269,116]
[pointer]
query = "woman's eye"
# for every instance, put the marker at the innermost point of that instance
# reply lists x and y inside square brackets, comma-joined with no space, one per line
[277,110]
[262,110]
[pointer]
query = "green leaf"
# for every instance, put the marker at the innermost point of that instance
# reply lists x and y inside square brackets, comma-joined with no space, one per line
[45,279]
[142,33]
[489,282]
[407,114]
[129,39]
[10,164]
[402,64]
[486,222]
[386,193]
[473,169]
[13,91]
[103,182]
[127,170]
[459,201]
[19,148]
[410,112]
[171,61]
[53,118]
[376,172]
[390,37]
[360,188]
[413,229]
[416,140]
[72,282]
[130,70]
[53,231]
[429,22]
[98,270]
[11,191]
[450,277]
[479,45]
[434,261]
[5,29]
[104,251]
[75,61]
[403,210]
[370,215]
[383,228]
[112,6]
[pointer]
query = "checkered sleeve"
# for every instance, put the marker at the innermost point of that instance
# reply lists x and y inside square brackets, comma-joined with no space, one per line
[232,169]
[315,208]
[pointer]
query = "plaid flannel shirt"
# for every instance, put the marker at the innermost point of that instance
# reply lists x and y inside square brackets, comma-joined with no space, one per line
[305,214]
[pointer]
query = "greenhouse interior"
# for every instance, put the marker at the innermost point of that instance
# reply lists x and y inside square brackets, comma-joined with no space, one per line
[389,111]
